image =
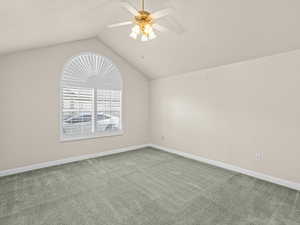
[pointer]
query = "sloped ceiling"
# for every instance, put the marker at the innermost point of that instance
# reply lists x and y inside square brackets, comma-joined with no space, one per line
[211,32]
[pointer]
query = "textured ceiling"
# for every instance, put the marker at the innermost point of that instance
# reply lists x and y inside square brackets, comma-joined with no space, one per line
[212,32]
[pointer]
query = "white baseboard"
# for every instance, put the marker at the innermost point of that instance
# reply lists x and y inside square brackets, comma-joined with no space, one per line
[68,160]
[257,175]
[261,176]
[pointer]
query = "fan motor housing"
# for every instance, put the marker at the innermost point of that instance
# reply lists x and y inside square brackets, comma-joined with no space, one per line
[143,18]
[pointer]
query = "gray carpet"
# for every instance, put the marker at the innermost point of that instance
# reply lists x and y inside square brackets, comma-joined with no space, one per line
[145,187]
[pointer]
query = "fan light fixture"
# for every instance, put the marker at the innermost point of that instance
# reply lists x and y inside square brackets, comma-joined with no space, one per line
[143,22]
[143,25]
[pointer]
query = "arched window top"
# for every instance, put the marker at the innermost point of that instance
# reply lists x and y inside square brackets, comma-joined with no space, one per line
[93,71]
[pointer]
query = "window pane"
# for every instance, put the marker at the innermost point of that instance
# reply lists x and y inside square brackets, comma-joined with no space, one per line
[108,110]
[90,97]
[77,111]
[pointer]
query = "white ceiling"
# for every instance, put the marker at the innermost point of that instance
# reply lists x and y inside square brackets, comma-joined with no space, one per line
[213,32]
[33,23]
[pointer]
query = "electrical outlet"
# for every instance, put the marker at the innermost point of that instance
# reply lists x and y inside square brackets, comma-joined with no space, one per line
[162,138]
[259,155]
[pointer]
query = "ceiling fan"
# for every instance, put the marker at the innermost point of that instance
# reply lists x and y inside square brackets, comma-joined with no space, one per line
[144,22]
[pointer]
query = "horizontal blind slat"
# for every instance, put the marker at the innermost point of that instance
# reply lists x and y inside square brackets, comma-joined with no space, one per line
[77,109]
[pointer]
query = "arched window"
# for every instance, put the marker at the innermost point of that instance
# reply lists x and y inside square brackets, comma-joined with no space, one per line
[91,97]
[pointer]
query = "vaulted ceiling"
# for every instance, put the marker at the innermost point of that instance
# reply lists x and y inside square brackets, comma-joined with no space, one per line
[208,33]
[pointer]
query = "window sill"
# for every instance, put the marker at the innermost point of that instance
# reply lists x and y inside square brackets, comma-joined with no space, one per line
[97,135]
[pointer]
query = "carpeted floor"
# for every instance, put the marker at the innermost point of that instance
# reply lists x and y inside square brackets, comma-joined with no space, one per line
[145,187]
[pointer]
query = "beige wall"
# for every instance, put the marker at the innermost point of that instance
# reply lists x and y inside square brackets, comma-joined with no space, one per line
[29,115]
[229,113]
[232,112]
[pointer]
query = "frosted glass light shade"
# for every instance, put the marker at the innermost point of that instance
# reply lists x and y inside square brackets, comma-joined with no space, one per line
[136,29]
[144,38]
[152,35]
[133,35]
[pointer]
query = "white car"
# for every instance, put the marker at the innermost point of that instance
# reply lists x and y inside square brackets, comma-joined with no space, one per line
[105,122]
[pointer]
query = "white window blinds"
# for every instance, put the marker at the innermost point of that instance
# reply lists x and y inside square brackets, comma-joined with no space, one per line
[108,110]
[91,97]
[77,111]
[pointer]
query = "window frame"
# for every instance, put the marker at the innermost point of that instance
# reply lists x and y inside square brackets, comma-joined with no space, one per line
[95,134]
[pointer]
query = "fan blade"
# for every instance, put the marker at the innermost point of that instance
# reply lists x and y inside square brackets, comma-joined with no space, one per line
[130,8]
[159,27]
[174,25]
[120,24]
[161,13]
